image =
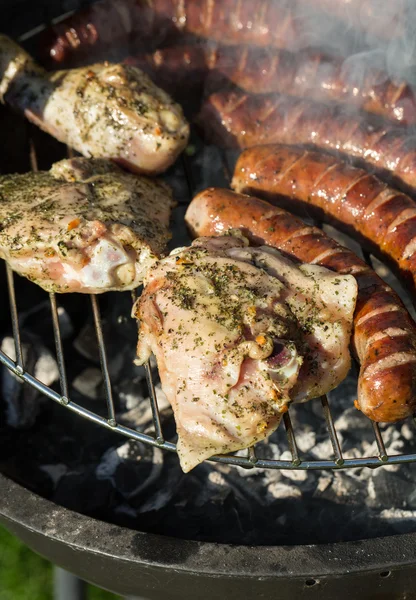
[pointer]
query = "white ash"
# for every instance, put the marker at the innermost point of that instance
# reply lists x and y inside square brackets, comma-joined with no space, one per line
[23,401]
[86,343]
[66,327]
[88,382]
[110,461]
[282,490]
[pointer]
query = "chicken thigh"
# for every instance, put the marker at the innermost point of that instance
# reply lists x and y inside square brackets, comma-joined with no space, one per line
[84,226]
[238,333]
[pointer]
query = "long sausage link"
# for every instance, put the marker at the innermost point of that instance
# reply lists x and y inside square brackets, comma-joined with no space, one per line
[236,119]
[358,202]
[110,22]
[384,335]
[304,74]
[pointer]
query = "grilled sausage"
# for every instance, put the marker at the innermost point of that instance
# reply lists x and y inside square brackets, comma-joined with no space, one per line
[384,335]
[236,119]
[305,74]
[111,22]
[355,200]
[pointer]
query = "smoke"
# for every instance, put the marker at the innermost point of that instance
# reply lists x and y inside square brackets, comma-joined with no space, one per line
[369,33]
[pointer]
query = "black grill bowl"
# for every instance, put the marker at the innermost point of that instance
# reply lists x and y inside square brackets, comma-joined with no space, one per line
[128,562]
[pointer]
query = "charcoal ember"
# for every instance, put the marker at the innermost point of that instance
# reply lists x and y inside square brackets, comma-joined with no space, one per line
[118,353]
[89,383]
[342,489]
[38,320]
[131,394]
[120,335]
[81,491]
[280,490]
[399,520]
[55,472]
[307,440]
[22,402]
[134,408]
[118,465]
[86,343]
[389,489]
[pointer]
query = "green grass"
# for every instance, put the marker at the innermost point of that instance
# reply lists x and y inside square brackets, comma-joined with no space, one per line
[25,575]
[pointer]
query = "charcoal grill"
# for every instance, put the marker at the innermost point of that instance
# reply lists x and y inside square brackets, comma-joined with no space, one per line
[129,562]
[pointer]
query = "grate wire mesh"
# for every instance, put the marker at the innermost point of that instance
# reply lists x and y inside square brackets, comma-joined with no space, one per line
[337,461]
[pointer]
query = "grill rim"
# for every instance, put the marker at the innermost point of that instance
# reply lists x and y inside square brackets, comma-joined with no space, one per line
[24,510]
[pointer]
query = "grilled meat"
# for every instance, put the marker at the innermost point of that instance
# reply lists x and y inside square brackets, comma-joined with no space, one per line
[383,218]
[384,335]
[133,24]
[84,226]
[304,74]
[238,333]
[235,119]
[104,110]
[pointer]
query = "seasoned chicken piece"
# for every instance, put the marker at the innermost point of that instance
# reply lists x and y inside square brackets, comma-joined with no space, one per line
[84,226]
[105,110]
[238,333]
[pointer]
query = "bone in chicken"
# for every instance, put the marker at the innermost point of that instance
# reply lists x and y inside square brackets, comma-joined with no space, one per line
[84,226]
[238,333]
[105,110]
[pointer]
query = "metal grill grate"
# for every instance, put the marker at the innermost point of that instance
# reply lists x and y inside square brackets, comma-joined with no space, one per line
[337,461]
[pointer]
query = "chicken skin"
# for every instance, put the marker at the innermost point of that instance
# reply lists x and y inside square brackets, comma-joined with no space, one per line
[105,110]
[238,333]
[84,226]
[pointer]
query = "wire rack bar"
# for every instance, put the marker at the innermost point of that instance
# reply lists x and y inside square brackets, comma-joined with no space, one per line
[15,320]
[371,461]
[59,348]
[332,431]
[103,361]
[251,455]
[291,440]
[152,393]
[382,454]
[153,404]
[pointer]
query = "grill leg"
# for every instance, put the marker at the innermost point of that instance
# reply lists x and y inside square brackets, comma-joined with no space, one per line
[67,587]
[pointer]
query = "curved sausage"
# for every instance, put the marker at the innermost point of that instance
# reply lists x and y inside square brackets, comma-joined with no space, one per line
[305,74]
[384,335]
[236,119]
[355,200]
[110,22]
[102,25]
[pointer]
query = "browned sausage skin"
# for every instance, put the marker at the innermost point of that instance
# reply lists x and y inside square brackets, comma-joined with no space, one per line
[306,73]
[105,23]
[236,119]
[354,199]
[384,335]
